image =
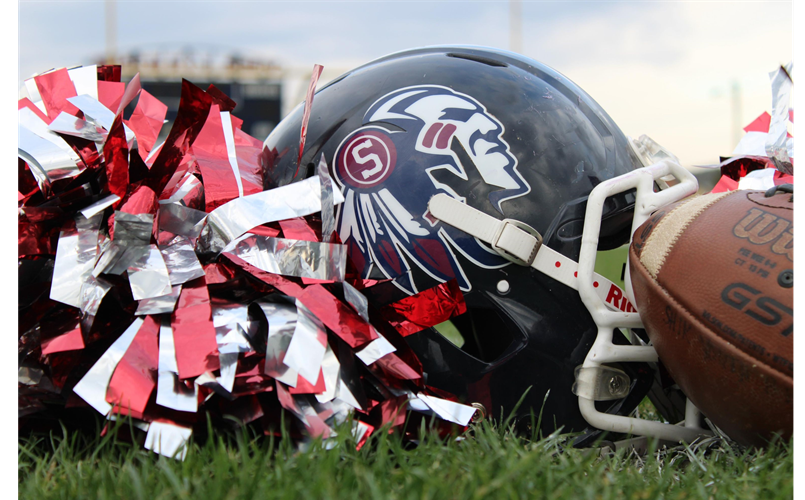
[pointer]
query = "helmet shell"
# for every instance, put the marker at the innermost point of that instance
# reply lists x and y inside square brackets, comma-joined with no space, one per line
[508,136]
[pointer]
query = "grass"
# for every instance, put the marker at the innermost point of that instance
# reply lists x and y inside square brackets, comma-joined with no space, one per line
[490,462]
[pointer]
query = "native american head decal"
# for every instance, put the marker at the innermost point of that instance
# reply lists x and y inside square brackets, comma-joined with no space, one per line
[416,142]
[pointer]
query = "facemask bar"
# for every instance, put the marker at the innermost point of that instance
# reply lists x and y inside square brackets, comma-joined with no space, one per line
[595,378]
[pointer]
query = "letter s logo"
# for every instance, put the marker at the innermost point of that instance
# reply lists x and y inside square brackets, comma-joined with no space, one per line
[365,159]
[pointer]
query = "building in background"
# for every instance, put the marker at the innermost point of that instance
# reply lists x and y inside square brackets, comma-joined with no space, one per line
[255,85]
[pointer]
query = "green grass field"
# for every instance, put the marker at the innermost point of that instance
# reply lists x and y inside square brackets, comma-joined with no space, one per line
[487,463]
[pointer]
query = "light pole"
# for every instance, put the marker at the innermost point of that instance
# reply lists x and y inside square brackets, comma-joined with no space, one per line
[110,7]
[515,26]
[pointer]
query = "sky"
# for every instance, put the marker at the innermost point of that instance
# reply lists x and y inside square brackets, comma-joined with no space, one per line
[665,69]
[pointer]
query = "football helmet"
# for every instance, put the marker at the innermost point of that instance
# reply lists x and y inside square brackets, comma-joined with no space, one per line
[477,165]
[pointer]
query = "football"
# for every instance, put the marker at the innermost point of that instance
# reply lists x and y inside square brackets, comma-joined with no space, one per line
[713,282]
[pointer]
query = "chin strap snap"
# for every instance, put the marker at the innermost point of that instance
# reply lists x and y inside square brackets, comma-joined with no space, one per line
[522,245]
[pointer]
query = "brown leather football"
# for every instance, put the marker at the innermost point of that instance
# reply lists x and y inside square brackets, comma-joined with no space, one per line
[713,280]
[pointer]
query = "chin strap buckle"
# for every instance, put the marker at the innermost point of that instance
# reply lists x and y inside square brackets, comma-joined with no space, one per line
[517,242]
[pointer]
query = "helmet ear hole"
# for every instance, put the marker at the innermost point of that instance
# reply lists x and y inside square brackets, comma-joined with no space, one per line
[471,333]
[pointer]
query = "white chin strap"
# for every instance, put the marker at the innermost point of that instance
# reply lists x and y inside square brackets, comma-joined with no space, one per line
[609,305]
[522,244]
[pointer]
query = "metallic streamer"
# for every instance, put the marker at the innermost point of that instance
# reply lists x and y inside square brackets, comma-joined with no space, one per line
[229,367]
[339,317]
[226,313]
[210,150]
[289,402]
[85,80]
[314,78]
[29,120]
[425,309]
[281,319]
[350,388]
[159,305]
[392,365]
[137,424]
[146,121]
[327,202]
[341,411]
[33,94]
[231,322]
[448,410]
[148,275]
[181,261]
[39,174]
[75,257]
[46,156]
[133,89]
[361,432]
[55,87]
[375,350]
[132,234]
[193,331]
[116,258]
[180,220]
[330,369]
[133,229]
[189,188]
[168,439]
[316,417]
[100,205]
[303,259]
[93,109]
[777,140]
[308,345]
[357,300]
[418,405]
[29,376]
[232,338]
[116,158]
[231,220]
[171,393]
[223,384]
[92,388]
[135,376]
[229,139]
[70,125]
[93,290]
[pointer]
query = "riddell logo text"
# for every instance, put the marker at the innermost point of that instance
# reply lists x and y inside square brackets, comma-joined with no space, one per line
[616,297]
[761,227]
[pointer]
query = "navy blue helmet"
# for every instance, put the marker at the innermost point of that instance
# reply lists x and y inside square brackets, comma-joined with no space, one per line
[508,136]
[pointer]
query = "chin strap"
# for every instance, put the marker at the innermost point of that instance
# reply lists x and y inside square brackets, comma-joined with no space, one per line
[522,244]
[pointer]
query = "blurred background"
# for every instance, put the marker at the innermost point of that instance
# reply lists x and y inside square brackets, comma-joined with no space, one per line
[690,75]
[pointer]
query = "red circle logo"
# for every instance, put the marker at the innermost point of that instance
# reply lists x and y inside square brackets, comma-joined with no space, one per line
[366,159]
